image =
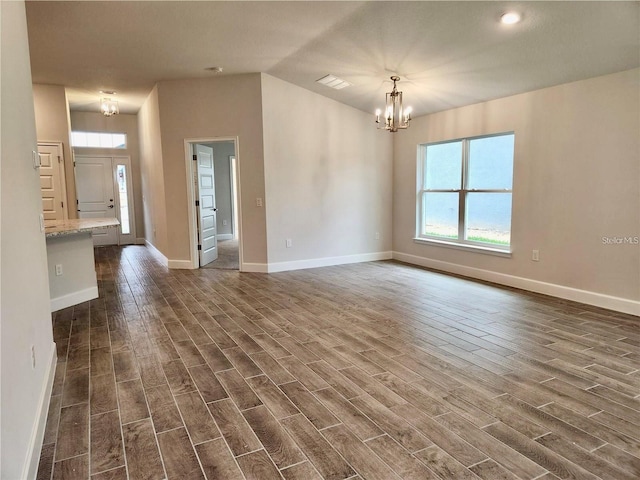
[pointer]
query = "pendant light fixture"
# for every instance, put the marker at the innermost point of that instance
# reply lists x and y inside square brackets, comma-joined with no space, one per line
[395,117]
[108,107]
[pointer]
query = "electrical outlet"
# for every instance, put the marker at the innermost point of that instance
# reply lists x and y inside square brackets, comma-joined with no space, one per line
[289,243]
[258,202]
[33,356]
[224,222]
[58,270]
[377,235]
[535,255]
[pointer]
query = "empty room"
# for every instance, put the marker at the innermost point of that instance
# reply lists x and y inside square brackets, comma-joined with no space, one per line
[320,240]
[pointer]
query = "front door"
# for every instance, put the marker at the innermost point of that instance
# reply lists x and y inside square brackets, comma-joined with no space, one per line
[206,206]
[96,199]
[52,186]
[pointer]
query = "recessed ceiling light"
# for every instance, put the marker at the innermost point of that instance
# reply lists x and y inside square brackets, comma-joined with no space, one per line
[510,18]
[333,82]
[214,69]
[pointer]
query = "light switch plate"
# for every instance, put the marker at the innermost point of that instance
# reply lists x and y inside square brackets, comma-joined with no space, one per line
[36,159]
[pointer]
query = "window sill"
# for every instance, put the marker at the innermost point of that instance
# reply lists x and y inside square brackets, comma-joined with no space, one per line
[460,246]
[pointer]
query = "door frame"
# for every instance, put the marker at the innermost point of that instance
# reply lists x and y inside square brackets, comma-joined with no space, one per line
[191,195]
[125,160]
[63,178]
[115,160]
[233,175]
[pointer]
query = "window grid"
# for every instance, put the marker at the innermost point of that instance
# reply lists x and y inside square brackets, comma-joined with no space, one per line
[80,139]
[462,192]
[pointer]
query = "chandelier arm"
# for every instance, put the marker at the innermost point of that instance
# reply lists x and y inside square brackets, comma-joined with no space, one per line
[395,116]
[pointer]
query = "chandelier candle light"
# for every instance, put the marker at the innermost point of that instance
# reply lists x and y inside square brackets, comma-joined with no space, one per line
[395,117]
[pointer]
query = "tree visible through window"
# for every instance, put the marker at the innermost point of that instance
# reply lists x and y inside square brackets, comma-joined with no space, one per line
[465,196]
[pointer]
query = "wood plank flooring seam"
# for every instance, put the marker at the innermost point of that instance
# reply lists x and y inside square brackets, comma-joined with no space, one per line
[330,310]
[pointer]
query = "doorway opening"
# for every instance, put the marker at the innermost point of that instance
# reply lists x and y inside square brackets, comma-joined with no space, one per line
[213,186]
[104,189]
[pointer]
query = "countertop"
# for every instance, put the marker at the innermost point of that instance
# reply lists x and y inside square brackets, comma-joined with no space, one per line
[58,228]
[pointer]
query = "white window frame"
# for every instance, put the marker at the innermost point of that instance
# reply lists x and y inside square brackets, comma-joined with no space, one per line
[100,134]
[461,242]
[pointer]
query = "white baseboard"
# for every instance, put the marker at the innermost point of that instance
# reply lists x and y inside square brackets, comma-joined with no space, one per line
[180,264]
[254,267]
[74,298]
[159,255]
[568,293]
[177,264]
[30,468]
[224,236]
[327,261]
[141,241]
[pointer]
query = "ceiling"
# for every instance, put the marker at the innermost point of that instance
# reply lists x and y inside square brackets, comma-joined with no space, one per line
[448,54]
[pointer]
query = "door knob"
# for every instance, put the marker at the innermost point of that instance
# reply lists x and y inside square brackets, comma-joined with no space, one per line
[110,206]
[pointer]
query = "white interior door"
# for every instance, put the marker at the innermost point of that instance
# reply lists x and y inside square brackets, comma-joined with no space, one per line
[206,205]
[96,199]
[52,185]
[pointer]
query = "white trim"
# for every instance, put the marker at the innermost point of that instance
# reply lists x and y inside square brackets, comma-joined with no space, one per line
[180,264]
[177,264]
[191,211]
[233,175]
[191,197]
[131,236]
[254,267]
[159,255]
[30,468]
[224,236]
[328,261]
[618,304]
[74,298]
[141,241]
[469,247]
[63,186]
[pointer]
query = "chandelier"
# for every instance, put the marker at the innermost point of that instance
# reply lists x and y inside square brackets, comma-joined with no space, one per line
[395,117]
[109,107]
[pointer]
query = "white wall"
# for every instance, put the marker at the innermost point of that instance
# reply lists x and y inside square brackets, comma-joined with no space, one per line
[53,125]
[152,173]
[576,180]
[78,282]
[24,294]
[222,167]
[328,175]
[227,106]
[122,123]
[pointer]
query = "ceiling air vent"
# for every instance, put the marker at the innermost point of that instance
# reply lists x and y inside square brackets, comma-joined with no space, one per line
[333,82]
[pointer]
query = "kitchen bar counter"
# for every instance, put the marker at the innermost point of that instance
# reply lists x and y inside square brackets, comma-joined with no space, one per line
[71,264]
[58,228]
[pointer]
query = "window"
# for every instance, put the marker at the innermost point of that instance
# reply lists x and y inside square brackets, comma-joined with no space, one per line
[98,140]
[123,197]
[465,192]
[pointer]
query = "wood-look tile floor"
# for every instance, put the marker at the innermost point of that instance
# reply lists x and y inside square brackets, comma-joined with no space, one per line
[228,256]
[366,371]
